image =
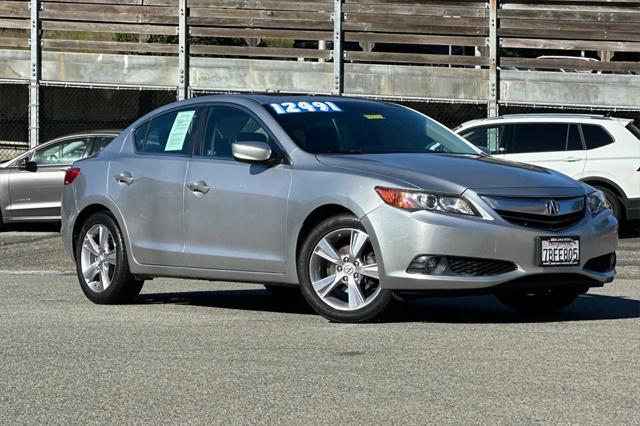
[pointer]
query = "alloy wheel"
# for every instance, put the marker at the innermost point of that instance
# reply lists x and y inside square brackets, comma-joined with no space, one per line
[343,270]
[98,258]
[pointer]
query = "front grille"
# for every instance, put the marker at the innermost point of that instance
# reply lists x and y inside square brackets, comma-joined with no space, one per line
[551,223]
[479,267]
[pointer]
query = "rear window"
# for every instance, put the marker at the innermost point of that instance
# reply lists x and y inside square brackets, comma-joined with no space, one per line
[595,136]
[634,130]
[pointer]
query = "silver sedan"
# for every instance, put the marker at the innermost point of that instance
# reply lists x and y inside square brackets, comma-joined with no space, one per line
[348,200]
[31,184]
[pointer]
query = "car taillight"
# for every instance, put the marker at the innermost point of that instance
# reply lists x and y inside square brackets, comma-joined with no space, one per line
[71,175]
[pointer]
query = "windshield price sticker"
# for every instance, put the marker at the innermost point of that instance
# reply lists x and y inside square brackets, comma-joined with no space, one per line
[296,107]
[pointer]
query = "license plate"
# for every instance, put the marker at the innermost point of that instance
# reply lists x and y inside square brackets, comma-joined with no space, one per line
[559,251]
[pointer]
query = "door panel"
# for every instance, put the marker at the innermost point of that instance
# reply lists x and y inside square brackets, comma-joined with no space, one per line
[240,223]
[38,194]
[554,146]
[235,213]
[148,187]
[151,204]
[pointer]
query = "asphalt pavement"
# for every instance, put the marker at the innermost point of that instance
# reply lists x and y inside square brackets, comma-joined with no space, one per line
[196,352]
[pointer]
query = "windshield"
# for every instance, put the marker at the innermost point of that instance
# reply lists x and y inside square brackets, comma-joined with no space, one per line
[360,127]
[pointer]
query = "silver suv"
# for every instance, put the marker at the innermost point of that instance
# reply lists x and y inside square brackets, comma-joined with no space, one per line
[347,200]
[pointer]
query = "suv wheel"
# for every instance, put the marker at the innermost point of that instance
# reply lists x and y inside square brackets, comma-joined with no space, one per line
[101,262]
[338,272]
[614,202]
[544,301]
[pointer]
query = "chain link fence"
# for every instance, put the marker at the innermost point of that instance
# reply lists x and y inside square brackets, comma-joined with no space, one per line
[65,110]
[14,120]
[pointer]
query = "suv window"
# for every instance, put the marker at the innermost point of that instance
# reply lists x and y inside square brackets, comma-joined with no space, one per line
[574,141]
[61,153]
[168,133]
[595,136]
[490,137]
[539,137]
[226,125]
[634,130]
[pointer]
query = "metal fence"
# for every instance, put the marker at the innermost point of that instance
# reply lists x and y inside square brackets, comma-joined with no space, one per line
[68,65]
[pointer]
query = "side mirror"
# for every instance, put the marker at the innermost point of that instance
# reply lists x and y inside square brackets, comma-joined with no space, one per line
[251,151]
[29,166]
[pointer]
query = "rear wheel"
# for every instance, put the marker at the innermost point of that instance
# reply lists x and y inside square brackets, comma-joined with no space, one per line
[338,272]
[101,262]
[544,301]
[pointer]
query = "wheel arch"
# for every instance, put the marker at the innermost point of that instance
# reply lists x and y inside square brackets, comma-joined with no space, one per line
[613,187]
[316,216]
[85,214]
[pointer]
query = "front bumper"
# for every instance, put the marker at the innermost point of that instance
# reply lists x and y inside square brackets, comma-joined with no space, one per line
[399,236]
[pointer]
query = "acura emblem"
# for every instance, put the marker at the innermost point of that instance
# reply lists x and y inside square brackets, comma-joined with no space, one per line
[552,207]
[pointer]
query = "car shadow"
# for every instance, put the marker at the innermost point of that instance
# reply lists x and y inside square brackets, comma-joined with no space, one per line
[31,227]
[463,310]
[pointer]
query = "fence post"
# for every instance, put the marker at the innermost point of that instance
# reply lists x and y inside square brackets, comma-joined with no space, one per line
[34,80]
[337,48]
[492,108]
[183,53]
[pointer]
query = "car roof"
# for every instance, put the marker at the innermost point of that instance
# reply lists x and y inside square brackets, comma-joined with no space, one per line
[546,117]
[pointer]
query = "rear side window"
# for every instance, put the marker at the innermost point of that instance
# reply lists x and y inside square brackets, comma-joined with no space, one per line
[489,137]
[168,133]
[537,137]
[634,130]
[595,136]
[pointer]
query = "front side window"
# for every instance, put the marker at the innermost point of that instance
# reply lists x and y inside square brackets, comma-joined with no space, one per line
[225,126]
[61,153]
[537,137]
[489,137]
[595,136]
[360,127]
[167,134]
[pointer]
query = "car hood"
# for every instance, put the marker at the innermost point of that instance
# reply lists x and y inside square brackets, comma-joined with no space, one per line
[454,174]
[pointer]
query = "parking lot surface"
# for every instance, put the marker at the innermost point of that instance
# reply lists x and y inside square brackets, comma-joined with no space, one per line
[202,352]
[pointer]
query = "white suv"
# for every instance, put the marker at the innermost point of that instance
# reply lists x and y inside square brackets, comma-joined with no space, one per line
[601,151]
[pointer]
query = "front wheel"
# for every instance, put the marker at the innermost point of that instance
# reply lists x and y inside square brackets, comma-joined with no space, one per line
[101,262]
[544,301]
[338,272]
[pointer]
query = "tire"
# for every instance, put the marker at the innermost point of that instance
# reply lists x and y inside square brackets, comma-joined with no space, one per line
[109,281]
[345,274]
[614,202]
[545,301]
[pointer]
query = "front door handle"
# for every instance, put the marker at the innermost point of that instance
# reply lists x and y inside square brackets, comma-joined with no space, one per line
[573,159]
[199,187]
[124,177]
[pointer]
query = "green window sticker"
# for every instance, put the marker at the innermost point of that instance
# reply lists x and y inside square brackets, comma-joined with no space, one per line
[374,116]
[179,130]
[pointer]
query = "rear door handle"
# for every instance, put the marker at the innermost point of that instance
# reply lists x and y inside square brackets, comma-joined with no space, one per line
[199,187]
[573,159]
[124,177]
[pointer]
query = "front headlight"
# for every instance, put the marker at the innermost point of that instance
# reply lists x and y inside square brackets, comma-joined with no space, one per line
[411,200]
[597,202]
